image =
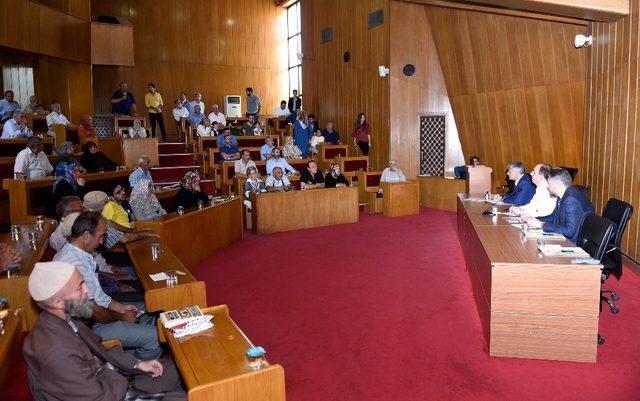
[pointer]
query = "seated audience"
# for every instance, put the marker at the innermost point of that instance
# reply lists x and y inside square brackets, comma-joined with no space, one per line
[331,135]
[253,184]
[86,130]
[8,256]
[315,140]
[542,203]
[267,149]
[461,172]
[197,101]
[144,203]
[278,182]
[312,125]
[118,208]
[190,192]
[277,161]
[523,189]
[66,153]
[226,133]
[31,162]
[112,319]
[392,173]
[204,128]
[228,152]
[311,177]
[216,116]
[68,183]
[258,128]
[196,117]
[8,106]
[56,117]
[335,178]
[94,161]
[290,150]
[143,172]
[282,111]
[137,130]
[247,128]
[79,367]
[301,133]
[179,111]
[16,127]
[571,209]
[34,106]
[243,164]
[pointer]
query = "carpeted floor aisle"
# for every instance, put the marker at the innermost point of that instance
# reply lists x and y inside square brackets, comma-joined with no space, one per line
[382,310]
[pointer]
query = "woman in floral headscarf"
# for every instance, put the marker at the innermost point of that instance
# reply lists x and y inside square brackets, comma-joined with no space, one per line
[190,191]
[68,183]
[86,130]
[144,203]
[65,153]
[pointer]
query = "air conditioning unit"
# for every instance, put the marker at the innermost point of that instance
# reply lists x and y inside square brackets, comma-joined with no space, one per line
[233,106]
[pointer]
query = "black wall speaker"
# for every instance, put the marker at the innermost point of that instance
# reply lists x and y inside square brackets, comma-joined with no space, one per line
[346,57]
[409,70]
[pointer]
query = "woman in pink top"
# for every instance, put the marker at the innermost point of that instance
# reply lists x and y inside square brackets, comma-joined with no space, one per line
[362,134]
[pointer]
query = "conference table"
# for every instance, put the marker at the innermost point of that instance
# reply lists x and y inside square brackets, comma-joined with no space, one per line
[297,210]
[530,305]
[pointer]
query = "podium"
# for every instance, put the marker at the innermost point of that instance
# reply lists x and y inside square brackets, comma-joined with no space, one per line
[478,179]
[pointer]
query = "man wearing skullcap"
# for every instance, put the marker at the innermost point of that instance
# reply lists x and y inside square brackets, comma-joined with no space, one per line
[66,360]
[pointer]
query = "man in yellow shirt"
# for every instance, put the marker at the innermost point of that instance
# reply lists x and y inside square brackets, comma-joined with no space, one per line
[153,101]
[116,208]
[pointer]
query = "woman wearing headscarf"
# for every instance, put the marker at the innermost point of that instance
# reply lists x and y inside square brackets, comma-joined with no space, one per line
[190,192]
[290,150]
[137,130]
[86,130]
[144,203]
[94,161]
[68,183]
[65,154]
[335,178]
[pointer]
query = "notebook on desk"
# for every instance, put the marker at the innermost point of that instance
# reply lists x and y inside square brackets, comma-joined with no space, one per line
[563,251]
[542,234]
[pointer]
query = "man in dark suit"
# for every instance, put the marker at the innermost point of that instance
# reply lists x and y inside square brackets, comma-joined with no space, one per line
[523,189]
[67,361]
[295,103]
[573,206]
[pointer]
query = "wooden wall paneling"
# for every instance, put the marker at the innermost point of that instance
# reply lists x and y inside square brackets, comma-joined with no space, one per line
[516,86]
[112,44]
[611,121]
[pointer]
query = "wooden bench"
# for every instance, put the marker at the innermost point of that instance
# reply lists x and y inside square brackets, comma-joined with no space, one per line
[368,185]
[37,123]
[214,365]
[328,153]
[350,165]
[198,234]
[65,134]
[11,147]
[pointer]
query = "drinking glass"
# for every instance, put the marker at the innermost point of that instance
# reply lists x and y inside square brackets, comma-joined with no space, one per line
[172,278]
[155,251]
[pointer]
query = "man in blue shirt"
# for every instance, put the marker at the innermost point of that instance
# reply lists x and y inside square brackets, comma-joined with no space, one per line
[277,161]
[331,135]
[196,117]
[523,189]
[123,102]
[572,207]
[266,151]
[16,127]
[142,172]
[8,106]
[229,152]
[226,133]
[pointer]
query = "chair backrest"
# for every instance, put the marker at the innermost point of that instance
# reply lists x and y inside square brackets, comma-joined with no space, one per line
[619,212]
[573,172]
[595,234]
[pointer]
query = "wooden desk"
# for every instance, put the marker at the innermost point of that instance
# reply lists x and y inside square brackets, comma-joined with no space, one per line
[157,296]
[400,198]
[296,210]
[11,147]
[10,349]
[530,306]
[214,365]
[16,289]
[132,149]
[198,234]
[440,192]
[112,148]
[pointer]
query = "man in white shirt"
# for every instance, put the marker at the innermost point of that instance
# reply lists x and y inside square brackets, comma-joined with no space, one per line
[278,182]
[216,117]
[277,161]
[32,162]
[197,101]
[204,128]
[542,203]
[282,110]
[179,111]
[16,127]
[56,117]
[243,163]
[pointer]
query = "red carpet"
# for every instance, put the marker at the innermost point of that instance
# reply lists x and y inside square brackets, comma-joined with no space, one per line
[383,310]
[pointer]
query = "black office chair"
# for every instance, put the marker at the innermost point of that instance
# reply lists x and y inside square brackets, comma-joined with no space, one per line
[619,212]
[573,172]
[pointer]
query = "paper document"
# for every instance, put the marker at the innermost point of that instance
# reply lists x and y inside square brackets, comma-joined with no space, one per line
[559,250]
[159,276]
[542,234]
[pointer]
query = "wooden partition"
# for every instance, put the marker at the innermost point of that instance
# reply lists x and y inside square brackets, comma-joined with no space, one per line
[112,147]
[285,211]
[351,165]
[11,147]
[132,149]
[400,198]
[440,192]
[10,343]
[198,234]
[368,185]
[37,123]
[214,365]
[64,133]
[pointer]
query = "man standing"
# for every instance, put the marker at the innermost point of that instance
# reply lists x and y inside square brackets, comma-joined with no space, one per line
[67,361]
[295,102]
[123,102]
[253,104]
[8,106]
[542,203]
[112,318]
[31,162]
[572,207]
[154,103]
[16,127]
[142,172]
[523,189]
[217,117]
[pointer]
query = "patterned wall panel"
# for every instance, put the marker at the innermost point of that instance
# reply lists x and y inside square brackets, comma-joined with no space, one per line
[432,145]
